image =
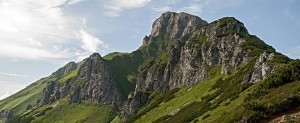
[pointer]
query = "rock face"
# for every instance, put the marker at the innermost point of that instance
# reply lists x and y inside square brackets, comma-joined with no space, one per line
[218,44]
[262,69]
[94,82]
[173,25]
[66,69]
[99,86]
[134,101]
[47,93]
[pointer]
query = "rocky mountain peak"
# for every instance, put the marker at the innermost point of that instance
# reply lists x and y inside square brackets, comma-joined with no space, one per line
[225,26]
[96,56]
[95,61]
[66,69]
[176,25]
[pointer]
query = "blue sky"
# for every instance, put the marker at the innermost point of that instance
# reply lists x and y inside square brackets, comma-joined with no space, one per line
[39,36]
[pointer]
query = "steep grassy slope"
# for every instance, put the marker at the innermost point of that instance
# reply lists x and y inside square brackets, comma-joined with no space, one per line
[29,96]
[181,98]
[209,102]
[113,54]
[63,112]
[68,76]
[124,67]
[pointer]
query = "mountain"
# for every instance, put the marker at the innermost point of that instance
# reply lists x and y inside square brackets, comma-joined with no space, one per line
[186,70]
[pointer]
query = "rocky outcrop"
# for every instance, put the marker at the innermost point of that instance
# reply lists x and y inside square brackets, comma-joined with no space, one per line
[66,69]
[188,62]
[134,101]
[262,69]
[171,25]
[51,93]
[94,82]
[47,93]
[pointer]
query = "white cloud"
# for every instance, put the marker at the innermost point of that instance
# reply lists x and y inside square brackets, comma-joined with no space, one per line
[115,7]
[12,74]
[89,42]
[43,30]
[31,28]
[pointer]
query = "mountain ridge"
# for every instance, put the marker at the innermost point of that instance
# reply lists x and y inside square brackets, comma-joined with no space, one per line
[182,51]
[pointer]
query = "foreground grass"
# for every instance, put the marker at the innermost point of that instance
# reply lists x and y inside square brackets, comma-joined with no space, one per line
[86,112]
[25,97]
[183,97]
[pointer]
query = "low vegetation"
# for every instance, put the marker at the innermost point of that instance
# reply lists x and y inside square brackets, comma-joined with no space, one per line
[68,76]
[18,102]
[86,112]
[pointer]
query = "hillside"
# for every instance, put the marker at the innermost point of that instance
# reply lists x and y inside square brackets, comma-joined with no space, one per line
[187,70]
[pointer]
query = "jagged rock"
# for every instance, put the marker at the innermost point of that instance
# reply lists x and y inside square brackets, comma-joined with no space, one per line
[97,83]
[145,41]
[47,93]
[188,64]
[246,79]
[262,69]
[133,104]
[176,25]
[217,44]
[29,107]
[66,69]
[57,92]
[189,61]
[50,94]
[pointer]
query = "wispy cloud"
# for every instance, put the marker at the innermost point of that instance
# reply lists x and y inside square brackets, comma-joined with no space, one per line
[115,7]
[41,29]
[31,29]
[12,74]
[90,43]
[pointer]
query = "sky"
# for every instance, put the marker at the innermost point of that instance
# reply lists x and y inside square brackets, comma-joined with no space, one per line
[39,36]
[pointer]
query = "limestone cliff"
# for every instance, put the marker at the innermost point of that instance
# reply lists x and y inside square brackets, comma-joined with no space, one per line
[221,43]
[94,82]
